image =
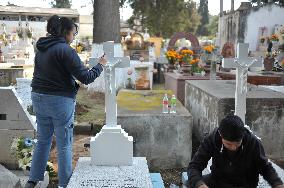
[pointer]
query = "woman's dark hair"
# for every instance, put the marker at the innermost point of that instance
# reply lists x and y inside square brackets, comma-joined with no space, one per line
[232,128]
[60,26]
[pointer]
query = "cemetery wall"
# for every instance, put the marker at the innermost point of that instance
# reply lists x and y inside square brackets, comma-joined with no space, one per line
[267,16]
[264,114]
[233,26]
[243,25]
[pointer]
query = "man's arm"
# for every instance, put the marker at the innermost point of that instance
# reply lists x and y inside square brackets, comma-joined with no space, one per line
[199,163]
[266,169]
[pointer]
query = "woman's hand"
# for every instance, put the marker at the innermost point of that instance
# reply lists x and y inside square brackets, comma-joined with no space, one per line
[102,61]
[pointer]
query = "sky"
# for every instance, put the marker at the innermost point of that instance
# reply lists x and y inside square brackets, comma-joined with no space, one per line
[84,6]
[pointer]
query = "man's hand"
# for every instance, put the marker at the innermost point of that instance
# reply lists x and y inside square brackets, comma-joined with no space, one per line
[203,186]
[279,186]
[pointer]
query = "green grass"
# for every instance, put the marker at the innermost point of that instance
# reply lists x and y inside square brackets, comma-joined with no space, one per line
[90,107]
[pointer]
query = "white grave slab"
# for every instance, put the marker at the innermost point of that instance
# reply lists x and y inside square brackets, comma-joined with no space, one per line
[275,88]
[87,175]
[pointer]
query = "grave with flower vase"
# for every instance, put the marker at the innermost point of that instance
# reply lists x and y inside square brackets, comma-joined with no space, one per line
[196,70]
[176,83]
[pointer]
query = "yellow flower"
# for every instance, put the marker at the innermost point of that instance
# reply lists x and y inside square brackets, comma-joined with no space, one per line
[187,52]
[209,48]
[274,37]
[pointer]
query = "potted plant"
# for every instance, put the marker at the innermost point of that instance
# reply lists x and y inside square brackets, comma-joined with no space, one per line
[208,52]
[172,57]
[23,148]
[274,38]
[186,57]
[196,68]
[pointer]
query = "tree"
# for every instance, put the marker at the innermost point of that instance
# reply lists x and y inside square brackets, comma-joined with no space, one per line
[106,21]
[212,27]
[280,2]
[204,14]
[61,3]
[165,17]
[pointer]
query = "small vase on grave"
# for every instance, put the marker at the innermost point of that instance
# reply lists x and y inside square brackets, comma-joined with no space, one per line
[213,70]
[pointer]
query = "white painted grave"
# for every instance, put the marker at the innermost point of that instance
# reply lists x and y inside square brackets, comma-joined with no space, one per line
[24,90]
[111,163]
[15,122]
[242,63]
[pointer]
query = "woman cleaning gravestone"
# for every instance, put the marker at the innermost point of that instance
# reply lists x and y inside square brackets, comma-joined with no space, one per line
[54,90]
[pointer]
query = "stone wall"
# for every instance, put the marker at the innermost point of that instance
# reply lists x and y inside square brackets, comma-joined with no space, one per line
[164,139]
[210,101]
[267,16]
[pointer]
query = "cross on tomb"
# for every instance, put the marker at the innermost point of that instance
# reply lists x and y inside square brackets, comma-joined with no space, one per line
[242,63]
[146,30]
[110,86]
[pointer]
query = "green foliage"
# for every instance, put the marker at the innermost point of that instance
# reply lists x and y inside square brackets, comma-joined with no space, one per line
[61,3]
[281,2]
[212,27]
[23,149]
[165,17]
[204,21]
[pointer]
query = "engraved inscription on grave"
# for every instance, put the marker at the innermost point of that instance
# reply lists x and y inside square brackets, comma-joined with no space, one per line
[108,183]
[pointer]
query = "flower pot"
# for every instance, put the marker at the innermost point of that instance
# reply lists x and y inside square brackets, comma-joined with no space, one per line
[213,71]
[196,74]
[268,63]
[186,69]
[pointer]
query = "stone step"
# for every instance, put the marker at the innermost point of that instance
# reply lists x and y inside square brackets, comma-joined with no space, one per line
[24,178]
[8,179]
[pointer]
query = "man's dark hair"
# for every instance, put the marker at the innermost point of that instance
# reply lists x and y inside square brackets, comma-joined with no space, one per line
[60,26]
[232,128]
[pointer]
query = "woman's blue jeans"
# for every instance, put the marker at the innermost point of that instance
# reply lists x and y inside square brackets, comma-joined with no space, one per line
[54,115]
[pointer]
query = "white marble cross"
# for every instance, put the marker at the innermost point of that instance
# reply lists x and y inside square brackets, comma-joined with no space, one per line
[242,64]
[110,86]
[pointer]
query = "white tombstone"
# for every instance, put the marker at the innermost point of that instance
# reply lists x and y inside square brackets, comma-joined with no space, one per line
[242,64]
[15,122]
[111,163]
[104,150]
